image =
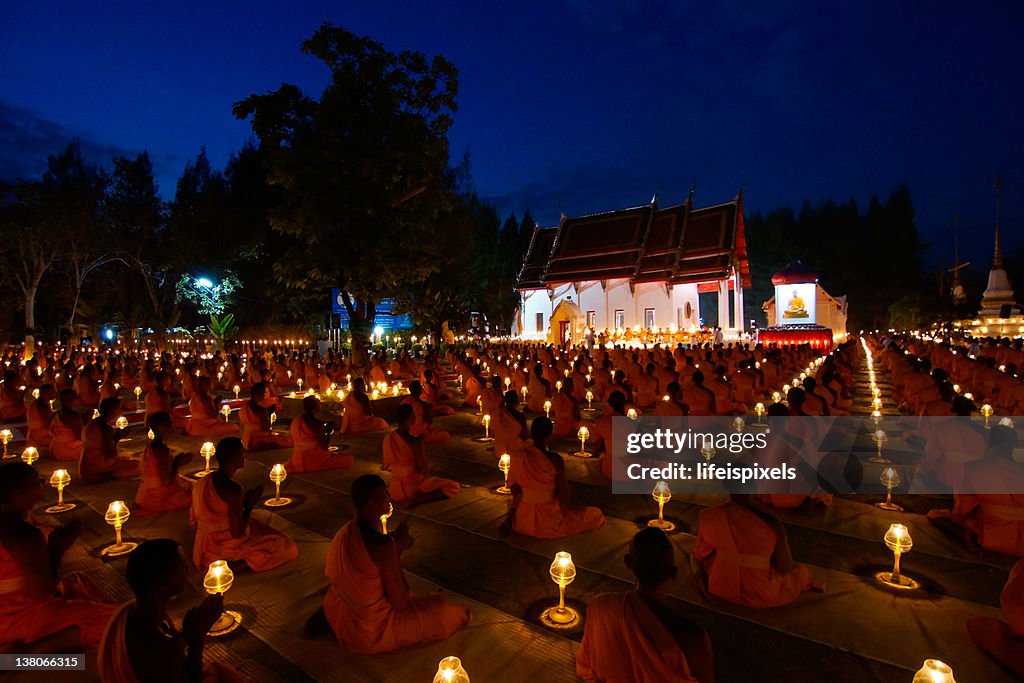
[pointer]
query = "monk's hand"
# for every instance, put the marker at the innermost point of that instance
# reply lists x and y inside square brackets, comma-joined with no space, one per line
[402,536]
[63,537]
[200,619]
[253,495]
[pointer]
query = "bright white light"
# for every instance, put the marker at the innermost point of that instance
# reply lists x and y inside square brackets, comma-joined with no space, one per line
[108,333]
[204,282]
[378,330]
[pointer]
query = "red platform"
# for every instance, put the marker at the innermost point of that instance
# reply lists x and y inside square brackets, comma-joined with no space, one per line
[815,335]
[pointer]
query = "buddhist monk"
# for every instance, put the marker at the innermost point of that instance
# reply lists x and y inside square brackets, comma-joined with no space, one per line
[566,410]
[601,432]
[698,397]
[162,490]
[100,461]
[509,425]
[540,491]
[988,500]
[203,420]
[39,415]
[358,417]
[311,437]
[12,398]
[424,425]
[406,458]
[674,406]
[221,513]
[141,643]
[634,636]
[66,428]
[473,387]
[1004,640]
[257,434]
[39,611]
[369,605]
[743,557]
[158,399]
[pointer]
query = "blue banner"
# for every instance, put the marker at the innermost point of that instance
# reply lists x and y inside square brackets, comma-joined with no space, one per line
[383,317]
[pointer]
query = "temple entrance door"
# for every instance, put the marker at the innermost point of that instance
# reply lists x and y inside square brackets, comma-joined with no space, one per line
[563,330]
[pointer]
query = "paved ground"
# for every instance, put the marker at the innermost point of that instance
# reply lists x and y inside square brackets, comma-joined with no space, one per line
[856,631]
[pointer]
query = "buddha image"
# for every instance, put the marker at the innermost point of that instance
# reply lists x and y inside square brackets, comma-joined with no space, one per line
[796,308]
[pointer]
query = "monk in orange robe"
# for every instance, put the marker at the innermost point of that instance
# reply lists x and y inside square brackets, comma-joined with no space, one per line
[509,425]
[406,458]
[311,437]
[1004,640]
[39,415]
[158,399]
[369,605]
[951,443]
[162,490]
[66,428]
[601,432]
[358,416]
[12,398]
[257,434]
[473,388]
[39,611]
[566,410]
[700,399]
[634,636]
[203,420]
[540,491]
[141,642]
[424,424]
[221,513]
[744,557]
[100,461]
[433,394]
[988,507]
[674,406]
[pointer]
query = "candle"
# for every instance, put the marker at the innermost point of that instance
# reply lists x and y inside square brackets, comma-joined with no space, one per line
[662,494]
[117,514]
[504,463]
[563,572]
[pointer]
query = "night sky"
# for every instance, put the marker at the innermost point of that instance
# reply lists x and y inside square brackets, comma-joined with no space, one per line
[581,105]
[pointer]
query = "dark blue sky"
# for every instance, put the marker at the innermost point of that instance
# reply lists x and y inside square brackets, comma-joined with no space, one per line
[581,105]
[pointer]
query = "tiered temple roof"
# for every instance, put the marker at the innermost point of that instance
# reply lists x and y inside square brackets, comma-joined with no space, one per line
[675,245]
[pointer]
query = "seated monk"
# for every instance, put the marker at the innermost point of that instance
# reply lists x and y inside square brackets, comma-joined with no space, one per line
[601,432]
[257,434]
[951,443]
[358,416]
[369,605]
[700,399]
[743,557]
[12,398]
[634,636]
[988,503]
[311,437]
[473,388]
[566,410]
[66,428]
[509,425]
[39,415]
[674,406]
[406,457]
[221,513]
[162,490]
[100,461]
[432,394]
[158,399]
[424,425]
[141,642]
[39,611]
[203,420]
[1003,641]
[540,491]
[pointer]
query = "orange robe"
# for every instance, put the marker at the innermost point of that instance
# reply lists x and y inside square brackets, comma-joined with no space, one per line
[309,454]
[624,641]
[115,664]
[735,546]
[39,417]
[24,618]
[1004,640]
[996,518]
[565,414]
[473,389]
[99,459]
[161,491]
[157,403]
[12,405]
[261,546]
[507,431]
[359,612]
[406,480]
[356,420]
[948,446]
[256,432]
[203,420]
[538,512]
[64,443]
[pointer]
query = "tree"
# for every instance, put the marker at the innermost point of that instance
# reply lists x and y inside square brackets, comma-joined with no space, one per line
[360,171]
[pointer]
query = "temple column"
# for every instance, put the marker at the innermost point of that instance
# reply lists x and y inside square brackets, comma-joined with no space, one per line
[737,293]
[723,304]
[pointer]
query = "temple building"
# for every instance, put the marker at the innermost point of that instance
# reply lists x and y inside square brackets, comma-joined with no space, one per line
[634,274]
[807,313]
